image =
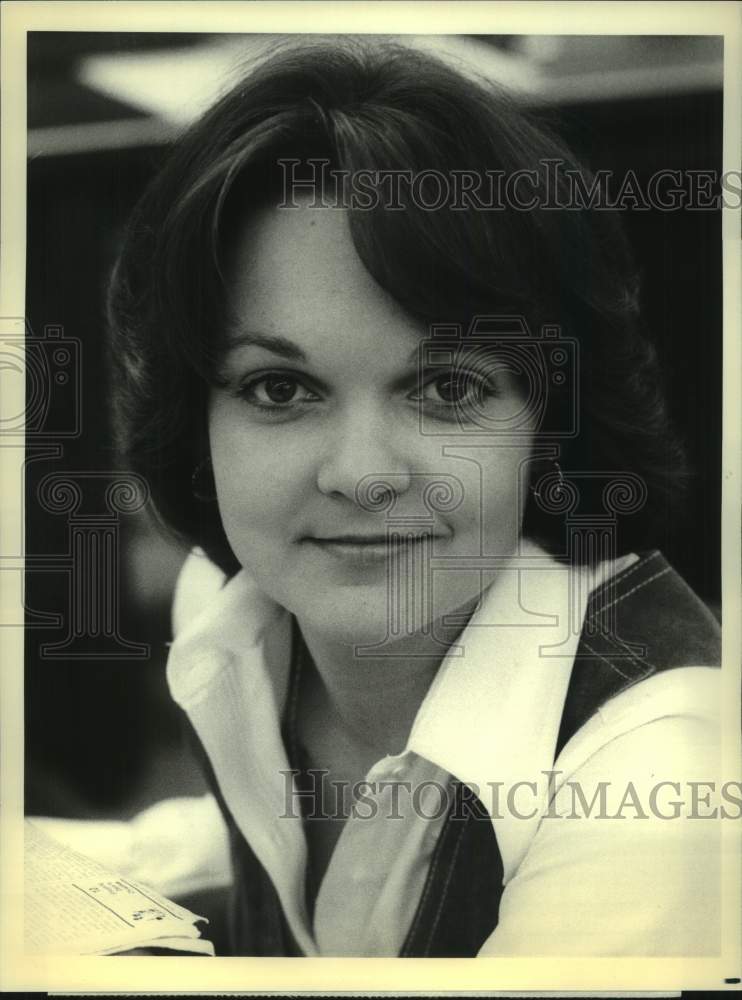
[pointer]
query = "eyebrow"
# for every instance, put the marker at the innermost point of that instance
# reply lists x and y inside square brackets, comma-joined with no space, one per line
[270,342]
[282,346]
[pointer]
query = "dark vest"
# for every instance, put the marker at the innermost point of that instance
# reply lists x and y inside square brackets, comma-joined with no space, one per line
[643,621]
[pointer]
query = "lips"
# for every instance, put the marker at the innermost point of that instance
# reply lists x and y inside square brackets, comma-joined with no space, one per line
[366,549]
[363,540]
[358,539]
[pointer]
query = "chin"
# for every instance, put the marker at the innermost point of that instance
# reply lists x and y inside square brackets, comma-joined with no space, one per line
[352,619]
[361,617]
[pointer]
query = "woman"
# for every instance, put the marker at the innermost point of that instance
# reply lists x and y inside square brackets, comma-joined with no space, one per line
[415,433]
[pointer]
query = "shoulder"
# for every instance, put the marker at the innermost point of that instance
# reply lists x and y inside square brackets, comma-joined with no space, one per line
[651,607]
[626,856]
[640,624]
[667,725]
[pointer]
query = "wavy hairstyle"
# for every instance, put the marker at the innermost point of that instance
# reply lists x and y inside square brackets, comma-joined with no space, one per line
[379,106]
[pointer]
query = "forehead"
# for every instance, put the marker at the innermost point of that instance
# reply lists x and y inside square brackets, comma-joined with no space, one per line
[295,273]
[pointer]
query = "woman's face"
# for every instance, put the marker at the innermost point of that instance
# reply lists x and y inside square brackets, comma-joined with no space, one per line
[320,393]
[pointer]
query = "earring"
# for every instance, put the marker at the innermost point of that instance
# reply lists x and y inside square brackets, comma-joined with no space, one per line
[557,489]
[203,486]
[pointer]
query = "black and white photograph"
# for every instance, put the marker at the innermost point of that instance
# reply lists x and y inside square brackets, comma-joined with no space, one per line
[371,494]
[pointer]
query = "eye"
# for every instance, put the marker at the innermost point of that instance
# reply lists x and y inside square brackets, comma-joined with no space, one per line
[276,390]
[449,388]
[455,387]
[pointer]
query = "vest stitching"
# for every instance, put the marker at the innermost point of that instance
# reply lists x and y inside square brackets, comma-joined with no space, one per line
[622,644]
[592,619]
[430,879]
[633,590]
[628,655]
[613,666]
[446,885]
[625,574]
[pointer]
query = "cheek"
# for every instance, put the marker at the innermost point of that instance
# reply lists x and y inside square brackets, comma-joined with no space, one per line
[504,478]
[261,485]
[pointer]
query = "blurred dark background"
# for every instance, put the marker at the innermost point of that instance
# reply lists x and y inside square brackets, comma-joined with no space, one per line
[102,737]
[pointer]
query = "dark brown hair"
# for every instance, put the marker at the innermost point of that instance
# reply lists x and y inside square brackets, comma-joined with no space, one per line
[370,105]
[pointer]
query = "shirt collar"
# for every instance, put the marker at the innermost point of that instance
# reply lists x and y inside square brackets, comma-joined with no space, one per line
[237,621]
[492,714]
[491,717]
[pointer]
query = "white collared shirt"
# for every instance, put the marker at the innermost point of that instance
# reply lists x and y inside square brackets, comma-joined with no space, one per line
[587,886]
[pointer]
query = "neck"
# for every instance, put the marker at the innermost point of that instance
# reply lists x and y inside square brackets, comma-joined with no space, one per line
[374,699]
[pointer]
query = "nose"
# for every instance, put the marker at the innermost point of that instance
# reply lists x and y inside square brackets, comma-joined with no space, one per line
[365,443]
